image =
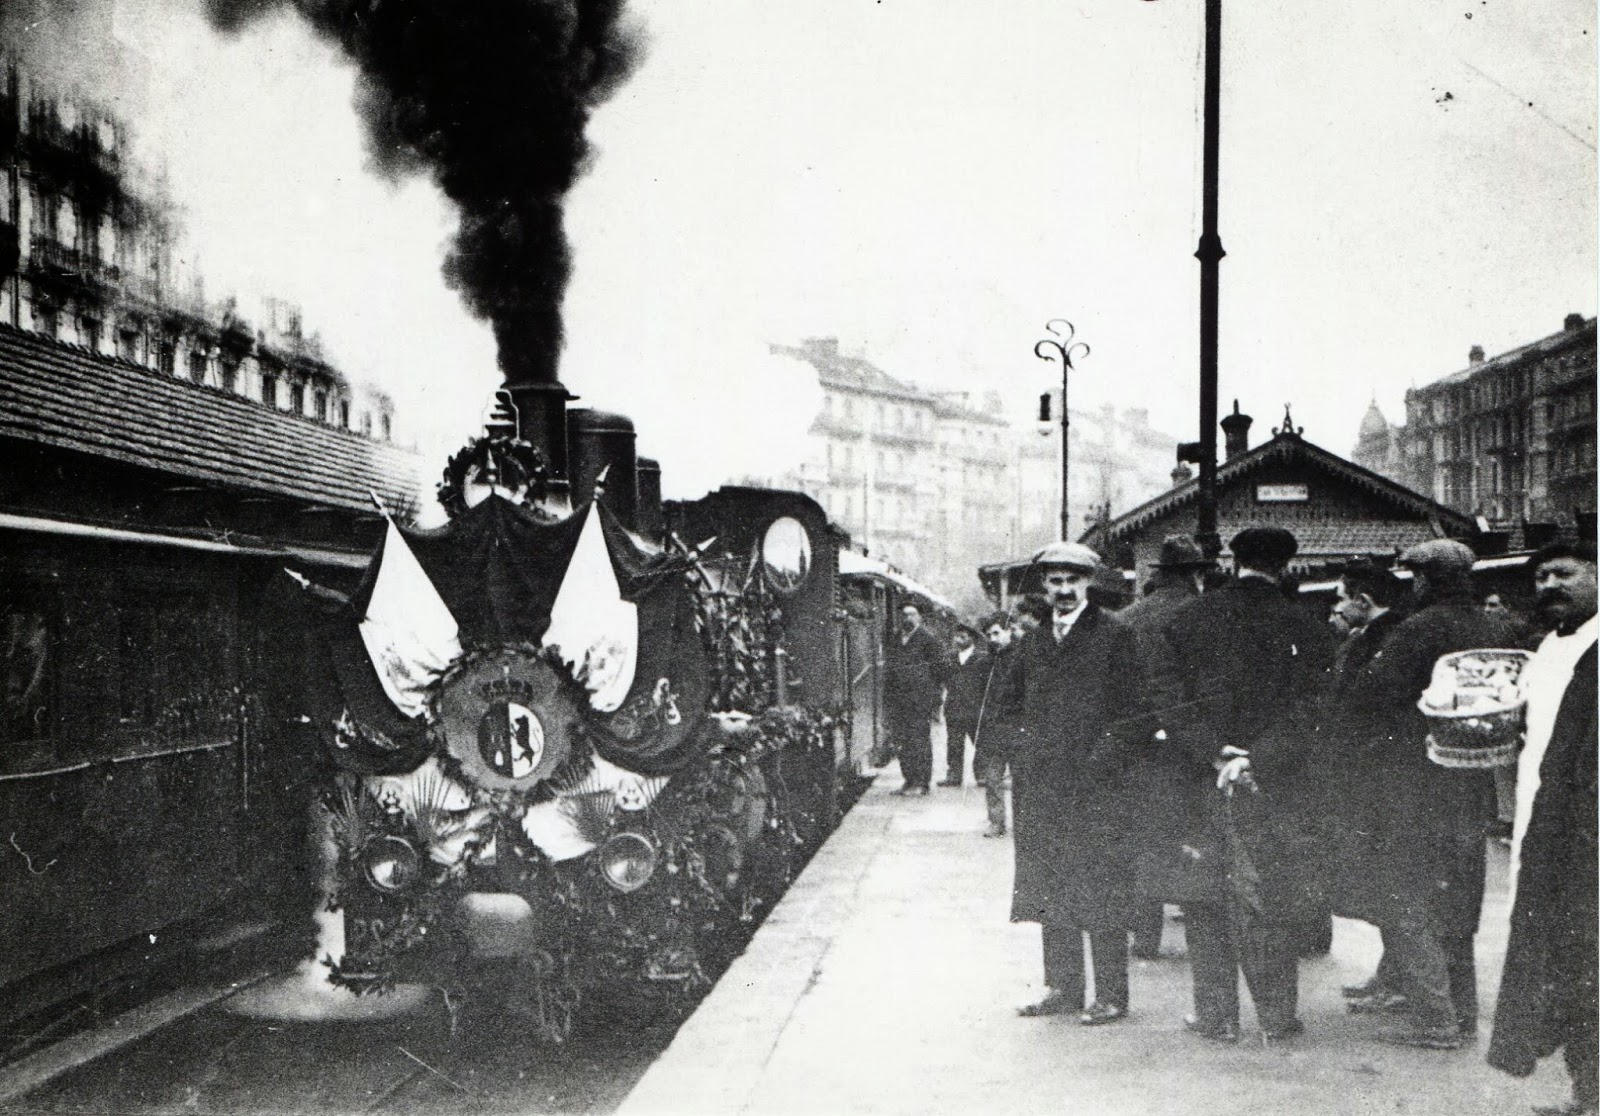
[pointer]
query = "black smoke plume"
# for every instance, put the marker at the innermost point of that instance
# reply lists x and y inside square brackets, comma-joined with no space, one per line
[491,98]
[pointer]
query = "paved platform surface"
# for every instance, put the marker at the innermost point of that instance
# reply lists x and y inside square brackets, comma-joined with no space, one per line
[886,981]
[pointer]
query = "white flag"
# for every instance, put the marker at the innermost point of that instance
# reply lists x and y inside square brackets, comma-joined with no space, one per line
[593,629]
[410,634]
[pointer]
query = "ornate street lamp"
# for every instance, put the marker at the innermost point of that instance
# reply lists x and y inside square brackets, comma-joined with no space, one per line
[1062,348]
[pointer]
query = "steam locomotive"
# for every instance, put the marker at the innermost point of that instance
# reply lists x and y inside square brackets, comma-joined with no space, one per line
[580,741]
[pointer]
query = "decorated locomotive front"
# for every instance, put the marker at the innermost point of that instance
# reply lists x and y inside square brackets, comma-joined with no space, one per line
[565,756]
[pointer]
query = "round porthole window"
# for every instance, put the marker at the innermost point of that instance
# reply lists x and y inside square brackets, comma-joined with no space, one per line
[786,554]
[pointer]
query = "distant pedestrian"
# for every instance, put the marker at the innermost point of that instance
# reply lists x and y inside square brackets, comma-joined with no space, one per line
[911,688]
[1074,690]
[1245,674]
[1160,789]
[966,676]
[1423,851]
[1549,987]
[993,738]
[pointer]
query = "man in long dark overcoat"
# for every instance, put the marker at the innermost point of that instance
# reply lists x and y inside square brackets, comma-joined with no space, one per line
[1549,988]
[1423,853]
[912,685]
[1072,693]
[1244,681]
[966,681]
[1369,606]
[1157,783]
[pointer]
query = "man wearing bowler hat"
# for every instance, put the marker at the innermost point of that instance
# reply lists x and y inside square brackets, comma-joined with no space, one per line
[1157,784]
[1243,675]
[1072,694]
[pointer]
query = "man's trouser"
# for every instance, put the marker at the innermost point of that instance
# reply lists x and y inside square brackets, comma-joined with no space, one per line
[957,729]
[991,768]
[1221,945]
[1436,971]
[909,730]
[1063,964]
[1149,919]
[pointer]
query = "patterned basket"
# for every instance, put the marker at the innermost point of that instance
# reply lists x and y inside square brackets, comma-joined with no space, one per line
[1475,708]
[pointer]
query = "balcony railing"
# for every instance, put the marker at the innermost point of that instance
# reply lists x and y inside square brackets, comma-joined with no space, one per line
[53,259]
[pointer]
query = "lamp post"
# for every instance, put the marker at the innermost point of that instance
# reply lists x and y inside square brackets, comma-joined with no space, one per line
[1061,347]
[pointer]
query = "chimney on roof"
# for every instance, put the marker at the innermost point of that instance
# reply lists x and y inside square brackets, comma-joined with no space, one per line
[1572,322]
[1180,474]
[1475,355]
[1236,432]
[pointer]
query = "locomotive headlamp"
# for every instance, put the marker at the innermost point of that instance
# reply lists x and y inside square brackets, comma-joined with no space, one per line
[628,860]
[391,864]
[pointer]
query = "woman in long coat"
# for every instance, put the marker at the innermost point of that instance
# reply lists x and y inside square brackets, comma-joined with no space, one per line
[1073,705]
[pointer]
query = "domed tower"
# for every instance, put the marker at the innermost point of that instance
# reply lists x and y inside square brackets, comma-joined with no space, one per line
[1376,443]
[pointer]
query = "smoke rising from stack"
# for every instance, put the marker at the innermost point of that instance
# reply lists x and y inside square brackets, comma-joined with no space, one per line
[490,98]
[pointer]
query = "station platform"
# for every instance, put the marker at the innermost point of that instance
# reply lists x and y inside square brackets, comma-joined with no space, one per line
[887,981]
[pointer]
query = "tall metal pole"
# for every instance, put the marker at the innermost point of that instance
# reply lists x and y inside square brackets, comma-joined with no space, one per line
[1061,347]
[1209,254]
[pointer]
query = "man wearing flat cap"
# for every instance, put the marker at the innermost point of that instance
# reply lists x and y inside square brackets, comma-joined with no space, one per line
[1157,784]
[1072,694]
[1423,853]
[1242,681]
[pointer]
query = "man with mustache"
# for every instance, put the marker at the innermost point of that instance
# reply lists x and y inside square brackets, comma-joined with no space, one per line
[1073,692]
[1549,988]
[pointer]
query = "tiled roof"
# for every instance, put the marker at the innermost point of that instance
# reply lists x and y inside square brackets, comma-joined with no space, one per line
[1368,537]
[1287,447]
[60,395]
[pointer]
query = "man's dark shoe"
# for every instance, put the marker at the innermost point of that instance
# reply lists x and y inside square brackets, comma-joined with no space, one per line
[995,830]
[1097,1014]
[949,782]
[1379,1003]
[1054,1003]
[1426,1038]
[1370,987]
[1292,1029]
[1216,1032]
[909,791]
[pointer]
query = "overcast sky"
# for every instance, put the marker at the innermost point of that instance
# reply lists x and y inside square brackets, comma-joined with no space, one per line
[931,181]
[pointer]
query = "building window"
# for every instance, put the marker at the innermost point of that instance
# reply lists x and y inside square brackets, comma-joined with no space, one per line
[230,376]
[319,404]
[91,334]
[388,427]
[47,320]
[128,347]
[366,423]
[167,357]
[344,413]
[197,366]
[26,647]
[297,398]
[269,389]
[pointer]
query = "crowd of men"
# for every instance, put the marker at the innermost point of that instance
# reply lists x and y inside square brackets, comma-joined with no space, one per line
[1219,746]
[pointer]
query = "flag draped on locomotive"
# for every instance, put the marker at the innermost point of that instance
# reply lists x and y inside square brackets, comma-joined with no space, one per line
[568,756]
